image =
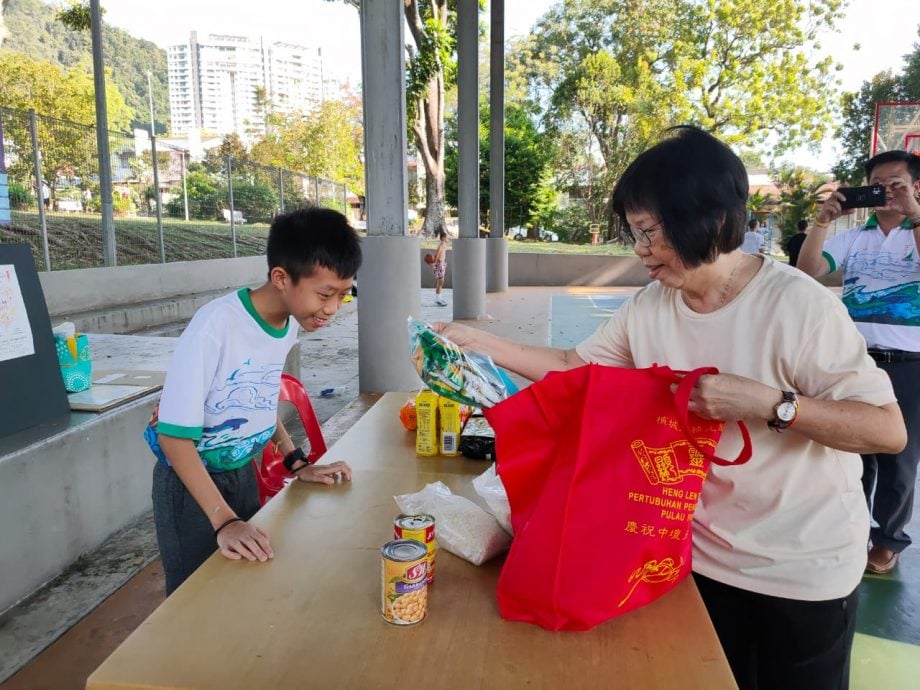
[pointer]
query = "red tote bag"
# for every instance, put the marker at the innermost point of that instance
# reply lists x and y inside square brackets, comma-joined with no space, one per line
[603,468]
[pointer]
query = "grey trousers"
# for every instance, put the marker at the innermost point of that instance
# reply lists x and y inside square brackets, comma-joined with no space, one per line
[888,480]
[184,533]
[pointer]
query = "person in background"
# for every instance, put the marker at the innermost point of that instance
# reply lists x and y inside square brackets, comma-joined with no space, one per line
[779,544]
[439,268]
[881,290]
[753,240]
[794,243]
[219,404]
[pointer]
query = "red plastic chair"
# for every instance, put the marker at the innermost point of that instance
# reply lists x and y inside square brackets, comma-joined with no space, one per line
[272,475]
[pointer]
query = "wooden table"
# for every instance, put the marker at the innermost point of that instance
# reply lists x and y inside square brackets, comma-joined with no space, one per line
[311,617]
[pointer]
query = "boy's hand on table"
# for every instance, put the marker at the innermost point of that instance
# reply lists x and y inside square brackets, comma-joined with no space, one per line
[241,540]
[324,474]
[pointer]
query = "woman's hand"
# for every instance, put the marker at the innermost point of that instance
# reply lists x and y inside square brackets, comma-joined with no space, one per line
[465,337]
[240,540]
[727,398]
[324,474]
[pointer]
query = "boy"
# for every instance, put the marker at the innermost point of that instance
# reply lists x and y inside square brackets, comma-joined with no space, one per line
[220,399]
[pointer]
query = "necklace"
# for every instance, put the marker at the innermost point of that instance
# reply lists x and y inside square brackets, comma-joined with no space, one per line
[728,283]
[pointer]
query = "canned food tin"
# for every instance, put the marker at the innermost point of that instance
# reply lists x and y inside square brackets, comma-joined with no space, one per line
[404,590]
[420,528]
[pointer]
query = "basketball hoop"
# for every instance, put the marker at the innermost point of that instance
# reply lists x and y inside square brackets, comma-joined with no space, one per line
[896,127]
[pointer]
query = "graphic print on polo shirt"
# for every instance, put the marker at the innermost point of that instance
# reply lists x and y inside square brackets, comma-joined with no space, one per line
[883,288]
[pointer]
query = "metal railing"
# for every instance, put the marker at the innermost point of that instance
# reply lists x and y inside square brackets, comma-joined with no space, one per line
[166,206]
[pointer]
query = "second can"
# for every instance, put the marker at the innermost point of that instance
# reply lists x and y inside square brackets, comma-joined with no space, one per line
[420,528]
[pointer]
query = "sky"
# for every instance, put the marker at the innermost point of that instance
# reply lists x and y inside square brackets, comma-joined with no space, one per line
[885,29]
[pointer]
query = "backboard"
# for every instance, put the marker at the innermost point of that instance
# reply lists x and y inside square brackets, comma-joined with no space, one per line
[896,127]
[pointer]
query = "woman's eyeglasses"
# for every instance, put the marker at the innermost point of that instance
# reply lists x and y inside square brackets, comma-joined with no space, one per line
[644,236]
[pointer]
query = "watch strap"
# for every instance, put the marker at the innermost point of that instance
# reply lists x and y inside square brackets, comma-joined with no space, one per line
[294,456]
[778,424]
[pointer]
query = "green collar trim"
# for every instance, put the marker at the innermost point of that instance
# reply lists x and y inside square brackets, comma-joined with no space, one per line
[246,299]
[872,223]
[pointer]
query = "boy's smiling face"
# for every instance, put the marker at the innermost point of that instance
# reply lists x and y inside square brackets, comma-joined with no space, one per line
[314,300]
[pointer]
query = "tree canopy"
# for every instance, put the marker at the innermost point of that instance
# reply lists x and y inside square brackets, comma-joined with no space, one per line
[36,31]
[855,132]
[626,69]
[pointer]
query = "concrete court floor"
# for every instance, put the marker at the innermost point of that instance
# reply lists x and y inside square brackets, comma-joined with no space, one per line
[887,649]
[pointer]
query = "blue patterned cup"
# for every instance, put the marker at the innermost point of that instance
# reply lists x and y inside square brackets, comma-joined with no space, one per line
[76,365]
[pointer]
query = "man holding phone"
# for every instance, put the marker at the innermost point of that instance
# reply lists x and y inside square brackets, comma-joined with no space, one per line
[881,290]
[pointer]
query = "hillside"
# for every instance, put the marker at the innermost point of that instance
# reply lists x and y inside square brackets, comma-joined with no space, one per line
[33,30]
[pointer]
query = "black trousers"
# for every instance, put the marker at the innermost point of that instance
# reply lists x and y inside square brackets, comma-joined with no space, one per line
[184,533]
[888,480]
[782,644]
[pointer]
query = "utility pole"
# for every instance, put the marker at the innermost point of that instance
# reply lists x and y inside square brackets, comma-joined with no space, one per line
[150,99]
[102,139]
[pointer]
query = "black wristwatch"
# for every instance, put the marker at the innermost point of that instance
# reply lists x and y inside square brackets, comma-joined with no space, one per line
[785,412]
[294,456]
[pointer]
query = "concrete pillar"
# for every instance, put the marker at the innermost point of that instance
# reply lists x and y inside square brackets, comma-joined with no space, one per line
[390,275]
[469,251]
[497,246]
[388,294]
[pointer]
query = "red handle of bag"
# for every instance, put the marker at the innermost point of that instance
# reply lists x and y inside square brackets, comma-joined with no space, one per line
[682,398]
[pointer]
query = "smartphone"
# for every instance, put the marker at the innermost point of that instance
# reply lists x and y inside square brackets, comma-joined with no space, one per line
[863,197]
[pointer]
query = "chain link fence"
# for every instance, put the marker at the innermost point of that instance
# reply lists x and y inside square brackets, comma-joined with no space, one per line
[167,207]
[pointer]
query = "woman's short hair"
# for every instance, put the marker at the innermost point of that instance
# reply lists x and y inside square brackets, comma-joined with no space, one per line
[698,189]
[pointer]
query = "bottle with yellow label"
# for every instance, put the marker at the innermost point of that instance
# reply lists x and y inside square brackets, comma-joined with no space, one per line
[426,415]
[451,426]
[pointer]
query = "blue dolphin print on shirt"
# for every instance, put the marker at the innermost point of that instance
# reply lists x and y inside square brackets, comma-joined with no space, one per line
[232,424]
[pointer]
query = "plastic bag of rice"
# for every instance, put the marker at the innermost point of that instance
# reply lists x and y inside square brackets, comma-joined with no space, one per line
[461,526]
[490,489]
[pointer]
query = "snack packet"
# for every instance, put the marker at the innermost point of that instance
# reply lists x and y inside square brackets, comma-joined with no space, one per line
[469,379]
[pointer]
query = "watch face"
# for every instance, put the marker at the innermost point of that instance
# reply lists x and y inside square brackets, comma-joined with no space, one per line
[785,411]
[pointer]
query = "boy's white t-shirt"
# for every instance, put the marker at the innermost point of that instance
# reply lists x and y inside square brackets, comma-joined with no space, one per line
[792,522]
[223,382]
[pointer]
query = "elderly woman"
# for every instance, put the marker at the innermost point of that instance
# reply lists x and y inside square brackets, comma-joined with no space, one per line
[779,544]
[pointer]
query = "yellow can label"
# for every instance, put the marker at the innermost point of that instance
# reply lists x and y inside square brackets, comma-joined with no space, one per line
[451,426]
[404,591]
[426,414]
[421,529]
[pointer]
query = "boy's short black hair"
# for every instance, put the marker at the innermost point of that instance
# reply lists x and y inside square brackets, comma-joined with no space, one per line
[753,223]
[913,162]
[301,240]
[696,186]
[802,225]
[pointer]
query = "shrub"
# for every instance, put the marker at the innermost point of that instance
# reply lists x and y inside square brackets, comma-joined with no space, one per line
[21,197]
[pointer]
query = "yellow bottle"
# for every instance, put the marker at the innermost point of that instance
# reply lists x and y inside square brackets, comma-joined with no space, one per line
[426,414]
[451,426]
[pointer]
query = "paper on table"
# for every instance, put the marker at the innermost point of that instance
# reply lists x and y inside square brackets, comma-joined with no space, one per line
[101,396]
[15,330]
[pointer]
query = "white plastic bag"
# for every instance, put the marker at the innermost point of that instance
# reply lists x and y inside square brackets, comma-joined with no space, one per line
[489,487]
[461,526]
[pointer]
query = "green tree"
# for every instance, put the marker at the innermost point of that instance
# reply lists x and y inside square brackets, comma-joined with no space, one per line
[855,131]
[67,149]
[800,196]
[738,68]
[36,31]
[203,196]
[324,143]
[526,164]
[256,200]
[431,69]
[231,146]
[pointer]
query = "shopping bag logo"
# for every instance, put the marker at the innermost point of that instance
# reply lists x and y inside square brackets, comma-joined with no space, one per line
[652,573]
[672,464]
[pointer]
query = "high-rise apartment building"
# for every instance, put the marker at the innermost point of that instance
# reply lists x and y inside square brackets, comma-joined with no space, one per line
[214,83]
